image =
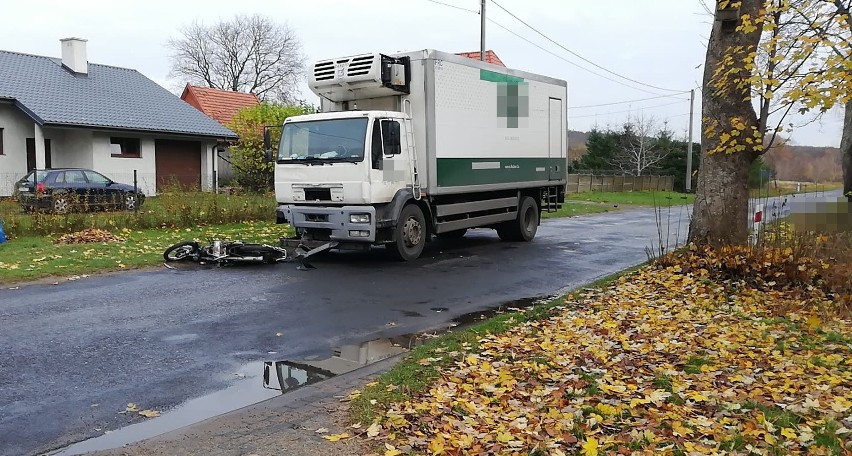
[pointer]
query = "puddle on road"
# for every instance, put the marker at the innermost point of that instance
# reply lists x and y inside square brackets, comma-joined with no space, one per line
[267,379]
[258,381]
[286,376]
[243,392]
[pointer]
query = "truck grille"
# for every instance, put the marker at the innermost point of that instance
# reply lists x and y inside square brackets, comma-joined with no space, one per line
[316,217]
[317,194]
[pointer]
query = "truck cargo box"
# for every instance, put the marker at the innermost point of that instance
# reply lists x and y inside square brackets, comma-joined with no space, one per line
[484,127]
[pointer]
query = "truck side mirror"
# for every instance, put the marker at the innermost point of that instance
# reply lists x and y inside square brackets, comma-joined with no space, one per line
[267,142]
[391,135]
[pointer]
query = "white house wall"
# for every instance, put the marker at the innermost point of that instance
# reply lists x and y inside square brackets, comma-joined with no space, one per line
[70,148]
[83,148]
[208,165]
[120,169]
[17,127]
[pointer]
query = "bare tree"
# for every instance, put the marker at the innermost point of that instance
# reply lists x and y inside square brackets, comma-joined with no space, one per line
[638,152]
[246,54]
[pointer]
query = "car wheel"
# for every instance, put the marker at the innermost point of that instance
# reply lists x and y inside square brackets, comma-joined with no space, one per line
[131,201]
[61,204]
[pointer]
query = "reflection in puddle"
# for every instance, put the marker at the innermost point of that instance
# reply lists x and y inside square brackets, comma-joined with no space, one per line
[286,376]
[264,380]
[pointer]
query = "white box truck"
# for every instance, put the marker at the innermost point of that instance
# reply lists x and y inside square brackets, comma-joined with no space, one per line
[420,144]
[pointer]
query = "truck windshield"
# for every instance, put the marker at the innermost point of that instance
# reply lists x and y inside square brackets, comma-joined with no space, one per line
[324,140]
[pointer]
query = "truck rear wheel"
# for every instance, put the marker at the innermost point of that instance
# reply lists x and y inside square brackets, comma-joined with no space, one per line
[410,234]
[524,227]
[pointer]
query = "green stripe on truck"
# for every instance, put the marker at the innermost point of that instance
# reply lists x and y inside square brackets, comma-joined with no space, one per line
[458,172]
[485,75]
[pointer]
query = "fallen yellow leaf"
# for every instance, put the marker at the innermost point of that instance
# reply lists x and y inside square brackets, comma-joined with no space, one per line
[336,437]
[590,447]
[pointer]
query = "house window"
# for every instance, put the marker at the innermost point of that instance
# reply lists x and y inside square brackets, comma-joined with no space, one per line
[1,141]
[124,147]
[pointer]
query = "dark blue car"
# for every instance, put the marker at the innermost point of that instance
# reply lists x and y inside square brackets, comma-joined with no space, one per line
[65,190]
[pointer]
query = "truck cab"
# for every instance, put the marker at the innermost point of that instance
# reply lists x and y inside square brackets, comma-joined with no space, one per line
[337,170]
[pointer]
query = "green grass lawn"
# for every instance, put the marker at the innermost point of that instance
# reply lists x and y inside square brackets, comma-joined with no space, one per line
[634,198]
[34,257]
[570,209]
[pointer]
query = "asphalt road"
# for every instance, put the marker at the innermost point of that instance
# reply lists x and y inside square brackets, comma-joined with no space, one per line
[75,354]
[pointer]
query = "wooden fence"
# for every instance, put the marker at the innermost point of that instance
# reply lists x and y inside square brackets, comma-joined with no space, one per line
[578,183]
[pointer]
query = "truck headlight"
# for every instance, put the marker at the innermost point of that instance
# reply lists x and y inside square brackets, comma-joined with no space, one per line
[359,218]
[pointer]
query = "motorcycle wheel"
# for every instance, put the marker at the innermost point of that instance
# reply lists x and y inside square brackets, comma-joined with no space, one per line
[181,251]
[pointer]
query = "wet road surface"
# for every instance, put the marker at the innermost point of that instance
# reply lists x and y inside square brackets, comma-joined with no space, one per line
[75,354]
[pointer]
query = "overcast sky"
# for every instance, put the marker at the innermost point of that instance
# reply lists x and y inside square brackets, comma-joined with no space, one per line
[656,42]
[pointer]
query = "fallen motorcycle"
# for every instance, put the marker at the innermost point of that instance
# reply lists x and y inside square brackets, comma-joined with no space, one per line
[223,252]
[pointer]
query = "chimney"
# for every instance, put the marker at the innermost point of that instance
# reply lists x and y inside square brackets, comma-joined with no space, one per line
[74,55]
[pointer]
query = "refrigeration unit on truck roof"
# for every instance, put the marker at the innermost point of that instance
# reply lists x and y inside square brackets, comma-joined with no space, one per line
[360,76]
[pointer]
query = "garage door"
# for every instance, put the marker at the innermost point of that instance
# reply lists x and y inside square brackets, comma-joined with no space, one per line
[178,163]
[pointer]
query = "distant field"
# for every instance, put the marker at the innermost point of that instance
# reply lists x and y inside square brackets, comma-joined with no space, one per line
[778,188]
[634,198]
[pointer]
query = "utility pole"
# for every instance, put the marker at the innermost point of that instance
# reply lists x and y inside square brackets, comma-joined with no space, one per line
[689,145]
[482,32]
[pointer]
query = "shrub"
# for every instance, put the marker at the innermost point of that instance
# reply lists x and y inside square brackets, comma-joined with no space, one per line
[167,210]
[251,170]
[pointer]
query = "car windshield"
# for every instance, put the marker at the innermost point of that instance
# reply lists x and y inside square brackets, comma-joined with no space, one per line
[40,175]
[324,140]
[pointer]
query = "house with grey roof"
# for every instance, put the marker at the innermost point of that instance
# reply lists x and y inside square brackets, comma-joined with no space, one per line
[71,113]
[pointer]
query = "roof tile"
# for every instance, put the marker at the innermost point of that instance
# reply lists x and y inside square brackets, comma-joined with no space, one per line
[221,105]
[107,97]
[490,57]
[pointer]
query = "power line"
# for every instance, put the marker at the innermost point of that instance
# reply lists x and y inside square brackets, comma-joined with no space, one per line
[454,6]
[578,55]
[566,60]
[628,110]
[627,101]
[555,54]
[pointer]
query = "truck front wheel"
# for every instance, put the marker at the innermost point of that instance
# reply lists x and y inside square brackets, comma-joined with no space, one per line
[410,234]
[524,227]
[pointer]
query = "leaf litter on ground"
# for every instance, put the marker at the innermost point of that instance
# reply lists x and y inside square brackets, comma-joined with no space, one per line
[675,359]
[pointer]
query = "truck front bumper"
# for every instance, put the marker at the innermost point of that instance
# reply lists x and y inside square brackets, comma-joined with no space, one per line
[335,221]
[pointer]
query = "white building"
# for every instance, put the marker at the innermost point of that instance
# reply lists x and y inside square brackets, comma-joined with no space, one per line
[67,112]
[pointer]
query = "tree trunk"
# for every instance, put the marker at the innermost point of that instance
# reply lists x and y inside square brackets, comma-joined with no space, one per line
[720,212]
[846,151]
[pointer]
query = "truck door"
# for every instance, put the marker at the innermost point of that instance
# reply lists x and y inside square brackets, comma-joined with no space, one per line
[390,160]
[557,148]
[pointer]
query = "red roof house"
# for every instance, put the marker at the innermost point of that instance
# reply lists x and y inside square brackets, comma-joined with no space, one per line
[490,57]
[221,105]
